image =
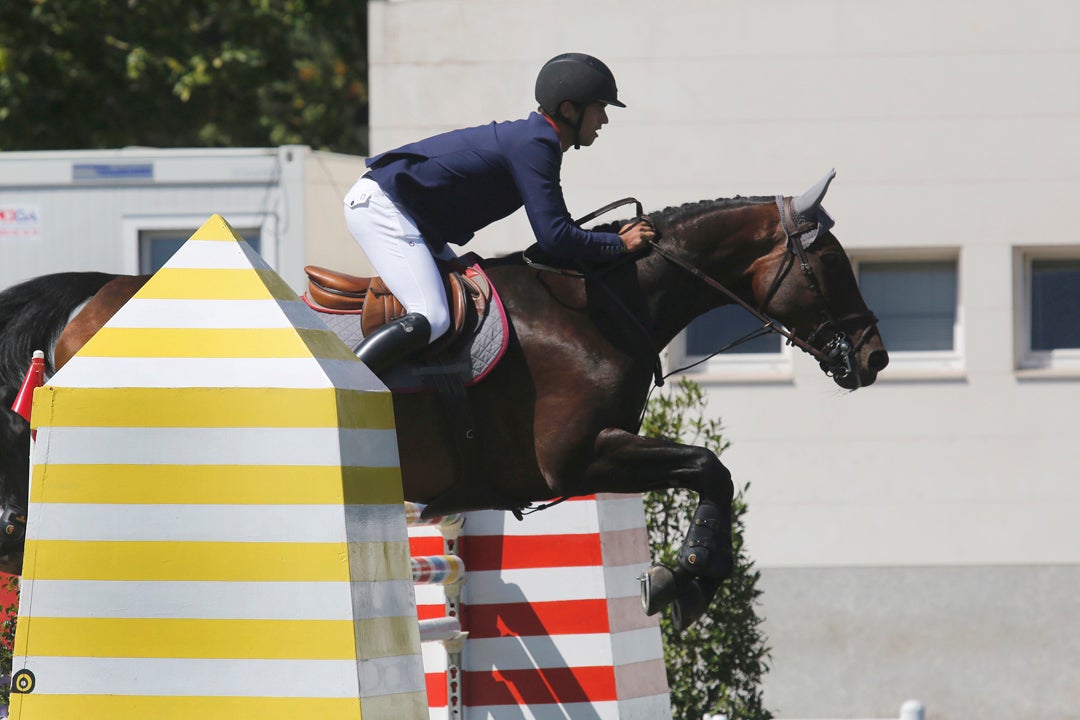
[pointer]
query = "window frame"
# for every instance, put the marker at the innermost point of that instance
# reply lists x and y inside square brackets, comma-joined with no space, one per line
[733,367]
[1028,361]
[133,225]
[921,364]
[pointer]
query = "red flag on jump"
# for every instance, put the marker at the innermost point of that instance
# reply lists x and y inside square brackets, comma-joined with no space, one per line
[35,378]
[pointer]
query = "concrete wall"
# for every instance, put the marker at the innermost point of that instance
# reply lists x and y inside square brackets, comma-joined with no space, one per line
[955,129]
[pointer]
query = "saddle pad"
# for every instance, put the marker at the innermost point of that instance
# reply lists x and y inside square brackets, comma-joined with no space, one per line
[468,360]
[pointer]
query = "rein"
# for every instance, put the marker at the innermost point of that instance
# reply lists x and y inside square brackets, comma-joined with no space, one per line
[768,324]
[836,356]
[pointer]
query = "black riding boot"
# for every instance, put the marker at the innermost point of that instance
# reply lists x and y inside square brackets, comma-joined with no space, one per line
[394,342]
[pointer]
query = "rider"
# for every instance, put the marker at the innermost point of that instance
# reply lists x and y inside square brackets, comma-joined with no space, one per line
[416,199]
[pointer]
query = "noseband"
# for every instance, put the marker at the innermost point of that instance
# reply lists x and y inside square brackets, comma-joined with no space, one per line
[837,355]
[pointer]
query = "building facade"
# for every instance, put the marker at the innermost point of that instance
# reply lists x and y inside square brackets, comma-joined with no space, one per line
[921,537]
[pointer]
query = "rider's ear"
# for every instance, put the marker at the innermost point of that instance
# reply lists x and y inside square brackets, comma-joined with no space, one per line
[569,110]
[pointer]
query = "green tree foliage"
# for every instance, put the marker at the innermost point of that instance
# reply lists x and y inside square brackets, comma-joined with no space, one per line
[715,666]
[183,73]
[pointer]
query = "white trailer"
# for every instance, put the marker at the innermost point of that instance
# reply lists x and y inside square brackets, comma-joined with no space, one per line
[126,211]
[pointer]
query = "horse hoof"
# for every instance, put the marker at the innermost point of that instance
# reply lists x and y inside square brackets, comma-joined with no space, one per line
[694,599]
[658,589]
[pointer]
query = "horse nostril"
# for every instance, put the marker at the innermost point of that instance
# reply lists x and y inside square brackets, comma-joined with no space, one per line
[877,360]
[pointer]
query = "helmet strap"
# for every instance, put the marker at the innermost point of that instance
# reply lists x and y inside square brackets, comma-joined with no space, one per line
[574,125]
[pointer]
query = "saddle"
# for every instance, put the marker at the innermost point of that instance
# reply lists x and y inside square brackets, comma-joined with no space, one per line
[353,307]
[468,295]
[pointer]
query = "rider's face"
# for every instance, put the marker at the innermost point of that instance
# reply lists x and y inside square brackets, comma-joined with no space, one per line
[593,118]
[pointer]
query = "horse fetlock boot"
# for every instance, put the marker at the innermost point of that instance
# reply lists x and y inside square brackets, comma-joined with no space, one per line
[394,342]
[706,551]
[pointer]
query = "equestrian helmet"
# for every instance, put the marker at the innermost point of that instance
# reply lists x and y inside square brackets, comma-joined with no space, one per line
[579,78]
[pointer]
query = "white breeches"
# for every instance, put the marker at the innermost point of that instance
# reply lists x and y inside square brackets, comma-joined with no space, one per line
[393,244]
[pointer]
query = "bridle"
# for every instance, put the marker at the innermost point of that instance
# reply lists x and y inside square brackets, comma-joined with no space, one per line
[836,356]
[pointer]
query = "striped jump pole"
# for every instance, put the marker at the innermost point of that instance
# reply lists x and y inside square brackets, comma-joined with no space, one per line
[449,526]
[433,543]
[216,525]
[437,569]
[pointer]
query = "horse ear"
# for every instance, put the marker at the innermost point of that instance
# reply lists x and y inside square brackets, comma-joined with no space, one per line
[812,197]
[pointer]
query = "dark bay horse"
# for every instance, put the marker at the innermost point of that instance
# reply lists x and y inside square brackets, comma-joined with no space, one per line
[559,414]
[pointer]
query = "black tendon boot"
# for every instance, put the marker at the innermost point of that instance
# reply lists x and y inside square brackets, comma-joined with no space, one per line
[705,559]
[707,548]
[394,342]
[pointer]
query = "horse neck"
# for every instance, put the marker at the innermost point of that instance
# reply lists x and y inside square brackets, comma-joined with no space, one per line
[727,246]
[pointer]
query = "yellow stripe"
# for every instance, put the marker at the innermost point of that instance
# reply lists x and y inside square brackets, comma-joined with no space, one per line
[216,485]
[188,638]
[210,561]
[216,228]
[218,408]
[215,284]
[215,343]
[140,707]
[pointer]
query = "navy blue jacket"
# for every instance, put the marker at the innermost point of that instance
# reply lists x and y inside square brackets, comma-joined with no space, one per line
[453,184]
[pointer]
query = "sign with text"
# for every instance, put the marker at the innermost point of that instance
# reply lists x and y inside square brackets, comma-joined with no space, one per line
[20,221]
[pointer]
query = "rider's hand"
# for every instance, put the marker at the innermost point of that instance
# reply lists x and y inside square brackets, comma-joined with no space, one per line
[637,235]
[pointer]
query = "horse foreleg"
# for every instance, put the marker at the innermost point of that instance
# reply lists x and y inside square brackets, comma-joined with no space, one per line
[624,462]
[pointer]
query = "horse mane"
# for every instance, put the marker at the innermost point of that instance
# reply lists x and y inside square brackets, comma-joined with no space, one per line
[676,215]
[33,313]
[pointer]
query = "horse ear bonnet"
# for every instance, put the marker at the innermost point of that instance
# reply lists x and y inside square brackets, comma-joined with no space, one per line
[576,77]
[812,198]
[807,209]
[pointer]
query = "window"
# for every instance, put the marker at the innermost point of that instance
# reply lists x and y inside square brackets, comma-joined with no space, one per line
[765,357]
[724,325]
[157,246]
[150,240]
[916,303]
[1049,335]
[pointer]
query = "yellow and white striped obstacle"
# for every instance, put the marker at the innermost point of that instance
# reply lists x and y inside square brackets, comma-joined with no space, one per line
[216,526]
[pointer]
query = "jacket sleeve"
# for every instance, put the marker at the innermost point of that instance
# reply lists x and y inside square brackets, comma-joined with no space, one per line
[535,168]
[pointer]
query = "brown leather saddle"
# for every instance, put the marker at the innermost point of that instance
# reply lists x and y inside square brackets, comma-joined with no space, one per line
[475,310]
[468,295]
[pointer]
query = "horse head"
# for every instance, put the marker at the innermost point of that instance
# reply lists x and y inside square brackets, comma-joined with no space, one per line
[778,258]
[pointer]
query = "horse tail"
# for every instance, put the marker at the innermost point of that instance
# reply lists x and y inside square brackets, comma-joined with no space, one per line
[33,314]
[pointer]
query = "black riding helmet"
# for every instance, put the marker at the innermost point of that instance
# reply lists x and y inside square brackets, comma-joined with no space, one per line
[576,77]
[579,78]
